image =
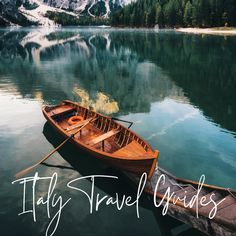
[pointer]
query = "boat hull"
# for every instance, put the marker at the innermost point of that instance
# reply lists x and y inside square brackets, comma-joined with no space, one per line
[192,204]
[132,164]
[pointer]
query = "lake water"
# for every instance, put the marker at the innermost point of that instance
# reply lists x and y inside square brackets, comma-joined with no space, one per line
[178,89]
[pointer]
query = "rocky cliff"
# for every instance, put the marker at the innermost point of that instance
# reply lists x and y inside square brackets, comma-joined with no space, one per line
[9,14]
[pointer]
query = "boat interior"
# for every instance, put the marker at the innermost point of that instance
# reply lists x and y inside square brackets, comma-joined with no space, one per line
[98,131]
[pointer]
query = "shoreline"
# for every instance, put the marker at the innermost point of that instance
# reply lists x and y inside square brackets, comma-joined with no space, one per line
[225,31]
[212,31]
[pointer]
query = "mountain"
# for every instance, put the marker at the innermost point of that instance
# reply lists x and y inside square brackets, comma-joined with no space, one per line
[9,14]
[57,12]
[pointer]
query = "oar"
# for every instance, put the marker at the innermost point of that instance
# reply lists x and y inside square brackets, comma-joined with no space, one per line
[25,171]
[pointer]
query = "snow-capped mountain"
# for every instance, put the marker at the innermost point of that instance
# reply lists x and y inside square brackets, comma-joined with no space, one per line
[83,5]
[44,12]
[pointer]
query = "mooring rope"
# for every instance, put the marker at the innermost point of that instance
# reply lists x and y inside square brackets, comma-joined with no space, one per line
[182,185]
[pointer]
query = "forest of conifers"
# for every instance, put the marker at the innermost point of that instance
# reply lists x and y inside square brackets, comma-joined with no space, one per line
[176,13]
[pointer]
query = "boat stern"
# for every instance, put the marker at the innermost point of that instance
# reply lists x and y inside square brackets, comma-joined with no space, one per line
[154,164]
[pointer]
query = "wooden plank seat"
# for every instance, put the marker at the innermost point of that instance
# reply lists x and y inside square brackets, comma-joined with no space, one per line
[60,110]
[131,149]
[103,137]
[77,125]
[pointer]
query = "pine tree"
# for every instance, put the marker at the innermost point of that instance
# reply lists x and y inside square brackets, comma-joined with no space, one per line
[188,14]
[159,19]
[201,13]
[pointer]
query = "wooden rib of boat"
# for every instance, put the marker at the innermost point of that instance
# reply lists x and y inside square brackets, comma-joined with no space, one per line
[222,224]
[103,137]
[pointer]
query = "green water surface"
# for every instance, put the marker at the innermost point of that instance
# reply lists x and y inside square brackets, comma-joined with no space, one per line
[178,89]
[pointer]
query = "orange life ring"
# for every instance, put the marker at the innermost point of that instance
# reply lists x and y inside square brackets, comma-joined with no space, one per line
[75,119]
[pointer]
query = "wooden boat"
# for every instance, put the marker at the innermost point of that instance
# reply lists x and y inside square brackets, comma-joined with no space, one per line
[195,214]
[102,137]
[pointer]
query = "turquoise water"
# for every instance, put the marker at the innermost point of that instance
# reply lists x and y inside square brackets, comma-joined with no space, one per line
[178,89]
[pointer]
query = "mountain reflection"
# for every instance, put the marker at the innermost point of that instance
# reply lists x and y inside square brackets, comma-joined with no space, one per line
[134,69]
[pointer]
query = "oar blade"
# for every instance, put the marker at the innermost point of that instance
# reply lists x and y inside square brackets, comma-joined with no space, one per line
[27,170]
[24,172]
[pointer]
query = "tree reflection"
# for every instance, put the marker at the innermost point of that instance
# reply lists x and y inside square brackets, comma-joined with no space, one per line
[135,68]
